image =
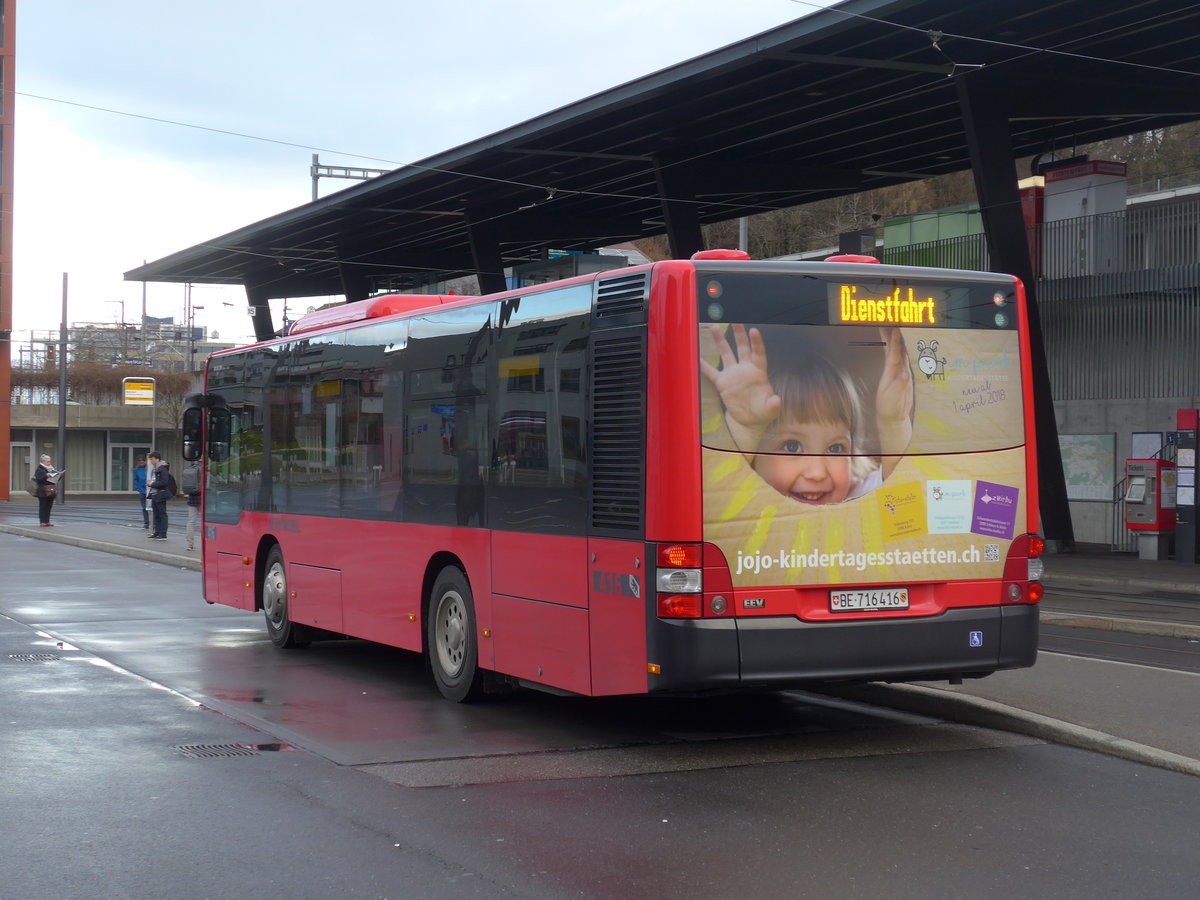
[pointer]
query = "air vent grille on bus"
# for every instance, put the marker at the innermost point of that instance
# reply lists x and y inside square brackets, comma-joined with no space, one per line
[622,295]
[618,433]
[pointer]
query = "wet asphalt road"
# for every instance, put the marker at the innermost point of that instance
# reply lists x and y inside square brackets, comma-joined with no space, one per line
[392,792]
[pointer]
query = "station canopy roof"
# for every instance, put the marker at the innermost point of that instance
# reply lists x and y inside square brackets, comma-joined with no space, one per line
[862,95]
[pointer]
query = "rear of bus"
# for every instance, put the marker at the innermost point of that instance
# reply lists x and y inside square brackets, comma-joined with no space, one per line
[866,454]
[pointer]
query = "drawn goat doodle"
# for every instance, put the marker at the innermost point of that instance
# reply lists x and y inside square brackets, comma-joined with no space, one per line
[928,362]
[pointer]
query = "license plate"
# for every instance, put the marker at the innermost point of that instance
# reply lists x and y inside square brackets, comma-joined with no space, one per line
[868,601]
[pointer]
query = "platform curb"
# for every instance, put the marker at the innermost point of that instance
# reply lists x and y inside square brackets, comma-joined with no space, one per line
[146,555]
[971,710]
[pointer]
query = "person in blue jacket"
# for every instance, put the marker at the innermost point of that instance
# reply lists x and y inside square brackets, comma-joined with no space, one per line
[139,485]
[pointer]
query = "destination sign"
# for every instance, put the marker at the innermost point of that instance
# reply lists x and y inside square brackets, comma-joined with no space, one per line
[903,306]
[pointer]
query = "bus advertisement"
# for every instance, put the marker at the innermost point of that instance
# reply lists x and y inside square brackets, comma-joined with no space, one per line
[691,475]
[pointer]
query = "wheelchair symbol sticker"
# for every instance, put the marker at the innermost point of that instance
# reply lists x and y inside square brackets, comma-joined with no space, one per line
[976,638]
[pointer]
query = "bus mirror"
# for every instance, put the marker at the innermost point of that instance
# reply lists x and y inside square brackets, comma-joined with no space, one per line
[218,434]
[193,425]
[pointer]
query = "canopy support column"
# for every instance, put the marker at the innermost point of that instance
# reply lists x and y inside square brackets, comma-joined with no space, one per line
[260,312]
[677,199]
[989,140]
[354,284]
[486,257]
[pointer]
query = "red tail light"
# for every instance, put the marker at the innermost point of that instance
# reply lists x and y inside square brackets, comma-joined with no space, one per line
[680,606]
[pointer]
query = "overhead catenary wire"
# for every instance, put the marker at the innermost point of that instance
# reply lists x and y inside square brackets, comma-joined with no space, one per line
[552,191]
[568,191]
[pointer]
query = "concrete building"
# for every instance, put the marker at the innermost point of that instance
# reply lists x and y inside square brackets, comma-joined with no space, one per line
[103,435]
[1118,287]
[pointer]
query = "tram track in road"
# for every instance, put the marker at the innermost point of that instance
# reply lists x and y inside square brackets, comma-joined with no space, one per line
[1159,596]
[1154,651]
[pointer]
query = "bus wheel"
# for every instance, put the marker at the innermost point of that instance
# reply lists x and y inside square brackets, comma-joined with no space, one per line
[282,631]
[451,639]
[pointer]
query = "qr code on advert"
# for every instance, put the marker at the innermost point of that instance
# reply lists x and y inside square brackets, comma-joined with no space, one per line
[991,553]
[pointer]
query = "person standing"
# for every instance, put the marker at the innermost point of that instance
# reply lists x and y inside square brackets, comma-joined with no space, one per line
[190,483]
[139,485]
[46,477]
[161,489]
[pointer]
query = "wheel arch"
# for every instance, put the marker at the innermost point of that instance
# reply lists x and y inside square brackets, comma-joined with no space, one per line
[265,543]
[433,568]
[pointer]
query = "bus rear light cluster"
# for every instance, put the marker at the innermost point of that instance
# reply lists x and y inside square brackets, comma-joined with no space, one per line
[1023,570]
[679,581]
[1036,569]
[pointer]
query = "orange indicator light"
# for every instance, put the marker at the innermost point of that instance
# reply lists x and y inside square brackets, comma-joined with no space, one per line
[679,556]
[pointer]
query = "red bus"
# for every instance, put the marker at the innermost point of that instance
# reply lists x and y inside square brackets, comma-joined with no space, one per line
[695,474]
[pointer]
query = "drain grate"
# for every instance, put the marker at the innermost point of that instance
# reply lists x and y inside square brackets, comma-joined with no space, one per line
[33,657]
[215,751]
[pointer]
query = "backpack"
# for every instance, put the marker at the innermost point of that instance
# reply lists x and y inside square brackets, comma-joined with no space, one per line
[190,480]
[33,486]
[172,487]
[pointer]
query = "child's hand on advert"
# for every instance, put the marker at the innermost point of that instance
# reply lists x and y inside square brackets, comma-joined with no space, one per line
[751,404]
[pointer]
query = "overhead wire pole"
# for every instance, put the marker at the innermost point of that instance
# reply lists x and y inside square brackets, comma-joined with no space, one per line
[318,171]
[62,394]
[8,63]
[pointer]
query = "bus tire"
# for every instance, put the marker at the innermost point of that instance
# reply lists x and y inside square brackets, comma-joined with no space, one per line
[282,631]
[451,637]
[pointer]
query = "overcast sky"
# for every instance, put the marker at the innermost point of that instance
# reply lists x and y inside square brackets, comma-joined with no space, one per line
[105,181]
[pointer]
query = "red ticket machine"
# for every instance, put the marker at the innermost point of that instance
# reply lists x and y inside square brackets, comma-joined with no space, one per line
[1150,495]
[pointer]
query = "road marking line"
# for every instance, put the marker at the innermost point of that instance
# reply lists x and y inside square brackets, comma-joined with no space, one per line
[1118,662]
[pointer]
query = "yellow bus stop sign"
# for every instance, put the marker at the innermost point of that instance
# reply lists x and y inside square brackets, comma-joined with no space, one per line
[138,391]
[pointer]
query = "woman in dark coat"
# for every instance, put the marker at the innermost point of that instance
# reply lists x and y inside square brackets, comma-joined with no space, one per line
[46,477]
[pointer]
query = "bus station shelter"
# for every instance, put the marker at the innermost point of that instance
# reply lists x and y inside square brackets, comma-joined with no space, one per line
[862,95]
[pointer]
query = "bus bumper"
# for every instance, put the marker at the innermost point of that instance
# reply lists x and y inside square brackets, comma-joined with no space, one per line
[723,653]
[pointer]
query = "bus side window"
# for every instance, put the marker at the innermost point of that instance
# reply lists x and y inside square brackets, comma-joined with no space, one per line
[446,411]
[538,466]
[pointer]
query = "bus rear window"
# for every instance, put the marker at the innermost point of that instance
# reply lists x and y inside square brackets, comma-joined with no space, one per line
[900,369]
